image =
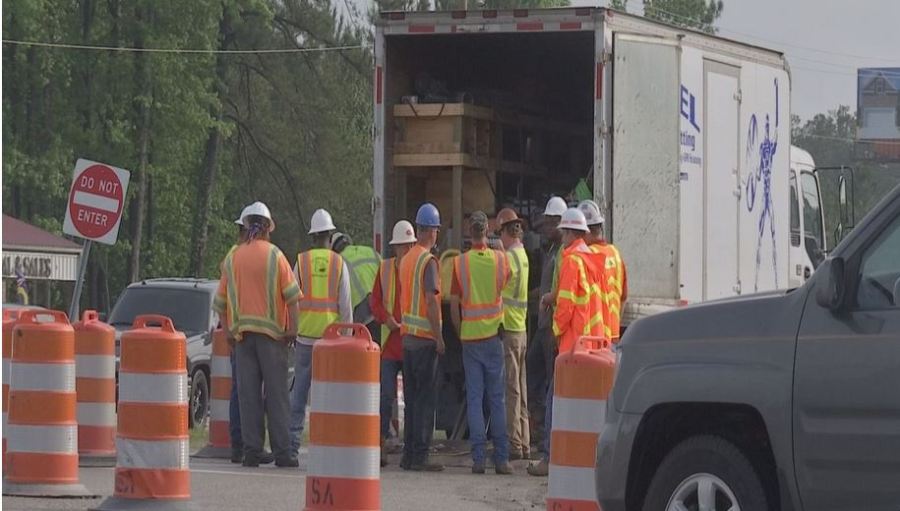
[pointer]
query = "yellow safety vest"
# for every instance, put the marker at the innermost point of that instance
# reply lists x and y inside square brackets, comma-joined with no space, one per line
[320,278]
[481,274]
[363,263]
[515,294]
[387,274]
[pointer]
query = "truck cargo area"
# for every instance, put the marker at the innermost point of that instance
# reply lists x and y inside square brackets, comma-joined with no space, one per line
[483,121]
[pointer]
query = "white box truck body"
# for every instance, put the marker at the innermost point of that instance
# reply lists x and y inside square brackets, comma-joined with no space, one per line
[687,138]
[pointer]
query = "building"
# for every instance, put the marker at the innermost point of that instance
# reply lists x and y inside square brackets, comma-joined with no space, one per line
[878,113]
[46,261]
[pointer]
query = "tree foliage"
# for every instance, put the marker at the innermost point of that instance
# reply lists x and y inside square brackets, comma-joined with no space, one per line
[695,14]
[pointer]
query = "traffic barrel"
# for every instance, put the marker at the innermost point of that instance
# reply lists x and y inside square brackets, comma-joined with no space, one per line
[9,321]
[219,445]
[152,437]
[582,382]
[344,434]
[95,387]
[42,430]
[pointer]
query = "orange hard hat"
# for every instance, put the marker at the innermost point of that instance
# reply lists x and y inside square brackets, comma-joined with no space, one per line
[507,216]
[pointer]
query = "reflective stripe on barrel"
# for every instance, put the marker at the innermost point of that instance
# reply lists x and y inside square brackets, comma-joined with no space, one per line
[220,391]
[582,382]
[344,431]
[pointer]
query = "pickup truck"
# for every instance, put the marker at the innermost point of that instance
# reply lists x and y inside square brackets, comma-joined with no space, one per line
[788,400]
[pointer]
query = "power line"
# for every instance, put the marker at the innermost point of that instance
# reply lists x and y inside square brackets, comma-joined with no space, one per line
[193,51]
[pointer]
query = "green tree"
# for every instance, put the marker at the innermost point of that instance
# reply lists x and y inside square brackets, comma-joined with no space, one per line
[695,14]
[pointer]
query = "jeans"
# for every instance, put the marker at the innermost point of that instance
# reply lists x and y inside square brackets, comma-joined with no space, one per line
[420,396]
[234,407]
[548,421]
[539,360]
[300,394]
[263,360]
[486,377]
[389,371]
[516,392]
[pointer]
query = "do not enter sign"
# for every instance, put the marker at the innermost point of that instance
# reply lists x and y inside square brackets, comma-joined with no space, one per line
[96,201]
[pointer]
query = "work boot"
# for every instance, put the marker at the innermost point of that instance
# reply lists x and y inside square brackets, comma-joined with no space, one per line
[539,469]
[237,454]
[478,467]
[250,460]
[427,467]
[503,468]
[287,463]
[515,455]
[265,458]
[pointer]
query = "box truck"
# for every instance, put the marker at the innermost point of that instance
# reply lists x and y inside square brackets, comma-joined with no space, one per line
[682,138]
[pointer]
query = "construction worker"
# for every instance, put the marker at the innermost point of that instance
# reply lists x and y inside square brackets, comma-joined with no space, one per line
[515,335]
[325,282]
[234,409]
[476,308]
[423,341]
[258,295]
[615,276]
[385,305]
[578,305]
[541,352]
[363,263]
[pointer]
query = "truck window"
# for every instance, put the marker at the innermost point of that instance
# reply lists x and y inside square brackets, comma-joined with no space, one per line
[814,232]
[880,270]
[795,211]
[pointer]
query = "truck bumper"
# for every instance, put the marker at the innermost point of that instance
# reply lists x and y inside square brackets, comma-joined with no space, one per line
[613,457]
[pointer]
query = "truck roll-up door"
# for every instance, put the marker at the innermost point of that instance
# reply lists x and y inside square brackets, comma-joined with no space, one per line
[645,172]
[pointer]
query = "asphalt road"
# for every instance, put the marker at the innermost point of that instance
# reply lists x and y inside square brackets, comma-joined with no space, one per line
[222,486]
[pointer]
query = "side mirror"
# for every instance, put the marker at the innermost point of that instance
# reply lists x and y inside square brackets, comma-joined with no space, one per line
[897,293]
[208,338]
[830,289]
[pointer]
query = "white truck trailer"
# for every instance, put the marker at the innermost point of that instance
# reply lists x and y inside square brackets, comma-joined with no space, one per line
[682,137]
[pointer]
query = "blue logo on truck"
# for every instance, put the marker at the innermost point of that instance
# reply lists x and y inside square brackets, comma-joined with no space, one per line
[689,137]
[760,157]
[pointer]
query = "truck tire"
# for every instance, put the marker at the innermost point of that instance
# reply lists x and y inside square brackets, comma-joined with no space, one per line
[708,468]
[198,405]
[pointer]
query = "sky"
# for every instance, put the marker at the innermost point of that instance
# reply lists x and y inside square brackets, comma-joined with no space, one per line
[825,42]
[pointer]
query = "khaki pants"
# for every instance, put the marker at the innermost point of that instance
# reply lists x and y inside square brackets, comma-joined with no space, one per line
[514,344]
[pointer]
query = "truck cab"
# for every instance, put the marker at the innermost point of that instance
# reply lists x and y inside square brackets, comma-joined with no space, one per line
[807,217]
[786,400]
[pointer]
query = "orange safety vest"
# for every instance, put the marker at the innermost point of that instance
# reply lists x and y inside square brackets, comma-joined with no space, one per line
[579,299]
[320,277]
[481,274]
[613,279]
[413,301]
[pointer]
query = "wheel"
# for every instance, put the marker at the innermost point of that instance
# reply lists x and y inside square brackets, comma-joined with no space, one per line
[199,400]
[705,473]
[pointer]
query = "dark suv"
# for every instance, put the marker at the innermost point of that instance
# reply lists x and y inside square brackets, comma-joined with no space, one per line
[188,303]
[779,401]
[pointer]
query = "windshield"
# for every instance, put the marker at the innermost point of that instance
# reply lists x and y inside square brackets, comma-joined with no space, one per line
[189,309]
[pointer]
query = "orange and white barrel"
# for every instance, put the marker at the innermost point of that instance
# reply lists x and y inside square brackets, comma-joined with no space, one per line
[582,383]
[42,430]
[152,437]
[95,386]
[219,445]
[9,321]
[344,470]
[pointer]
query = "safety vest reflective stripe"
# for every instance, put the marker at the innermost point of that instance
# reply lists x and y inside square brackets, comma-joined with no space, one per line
[387,275]
[320,273]
[363,264]
[482,305]
[614,276]
[515,294]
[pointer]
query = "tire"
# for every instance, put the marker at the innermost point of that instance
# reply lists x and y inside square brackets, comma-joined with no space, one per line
[198,407]
[712,462]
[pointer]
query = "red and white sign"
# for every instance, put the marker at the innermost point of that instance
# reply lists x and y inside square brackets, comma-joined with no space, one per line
[96,201]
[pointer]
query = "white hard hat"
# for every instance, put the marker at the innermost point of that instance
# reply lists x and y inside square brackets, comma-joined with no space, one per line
[403,233]
[573,219]
[258,209]
[321,222]
[555,207]
[591,211]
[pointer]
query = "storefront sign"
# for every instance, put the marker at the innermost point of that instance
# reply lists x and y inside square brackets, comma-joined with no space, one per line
[40,266]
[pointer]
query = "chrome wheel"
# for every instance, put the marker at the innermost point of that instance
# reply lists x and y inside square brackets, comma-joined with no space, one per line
[703,492]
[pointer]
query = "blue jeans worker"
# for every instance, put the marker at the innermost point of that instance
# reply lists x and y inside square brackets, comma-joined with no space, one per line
[479,276]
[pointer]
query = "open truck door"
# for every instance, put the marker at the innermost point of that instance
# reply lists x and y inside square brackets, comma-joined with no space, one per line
[843,220]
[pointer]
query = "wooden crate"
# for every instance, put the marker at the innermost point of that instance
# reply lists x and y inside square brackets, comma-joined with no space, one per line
[446,134]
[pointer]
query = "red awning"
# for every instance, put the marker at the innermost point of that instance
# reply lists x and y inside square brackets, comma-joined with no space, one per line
[20,235]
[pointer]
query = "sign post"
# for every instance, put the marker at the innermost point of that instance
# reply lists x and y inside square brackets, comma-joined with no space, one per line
[94,212]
